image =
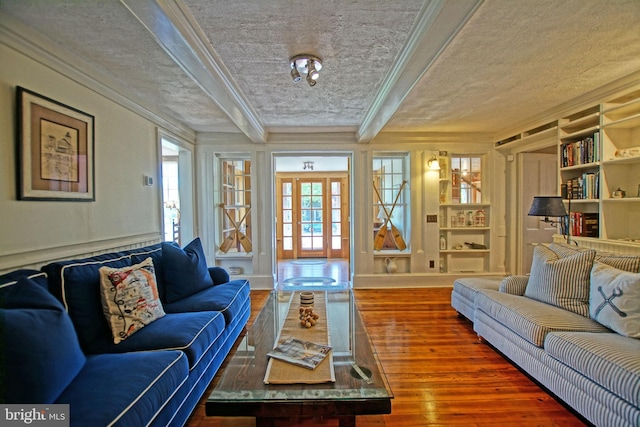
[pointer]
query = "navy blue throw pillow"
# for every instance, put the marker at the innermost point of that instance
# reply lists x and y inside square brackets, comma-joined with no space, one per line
[185,270]
[40,347]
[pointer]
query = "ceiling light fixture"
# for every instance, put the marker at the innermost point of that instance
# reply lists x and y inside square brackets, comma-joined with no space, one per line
[305,64]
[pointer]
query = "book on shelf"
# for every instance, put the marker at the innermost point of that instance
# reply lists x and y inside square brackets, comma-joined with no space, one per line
[581,152]
[300,352]
[584,224]
[584,186]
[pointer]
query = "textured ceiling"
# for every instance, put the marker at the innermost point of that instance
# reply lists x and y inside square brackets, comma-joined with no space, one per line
[411,65]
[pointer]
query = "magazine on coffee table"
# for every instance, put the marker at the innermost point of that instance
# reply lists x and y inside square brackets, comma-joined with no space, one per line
[300,352]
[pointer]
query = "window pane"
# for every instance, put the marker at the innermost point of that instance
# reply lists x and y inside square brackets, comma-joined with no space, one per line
[287,243]
[466,179]
[390,177]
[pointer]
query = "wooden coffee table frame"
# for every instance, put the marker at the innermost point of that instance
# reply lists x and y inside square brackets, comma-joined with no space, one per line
[239,390]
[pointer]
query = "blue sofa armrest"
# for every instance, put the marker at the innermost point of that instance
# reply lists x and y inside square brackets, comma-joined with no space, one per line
[219,275]
[514,285]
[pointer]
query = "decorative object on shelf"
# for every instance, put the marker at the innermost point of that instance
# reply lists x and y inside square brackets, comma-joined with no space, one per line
[480,219]
[443,242]
[309,65]
[390,265]
[234,271]
[462,219]
[473,245]
[470,218]
[618,194]
[628,152]
[55,150]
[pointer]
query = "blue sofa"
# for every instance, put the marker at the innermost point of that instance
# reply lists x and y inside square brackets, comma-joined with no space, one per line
[573,325]
[60,348]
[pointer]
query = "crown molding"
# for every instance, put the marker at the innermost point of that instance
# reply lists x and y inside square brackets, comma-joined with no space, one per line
[28,42]
[178,34]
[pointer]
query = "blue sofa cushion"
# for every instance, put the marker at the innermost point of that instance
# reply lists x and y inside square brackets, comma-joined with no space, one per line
[77,284]
[155,253]
[192,333]
[41,353]
[12,277]
[127,389]
[229,298]
[185,270]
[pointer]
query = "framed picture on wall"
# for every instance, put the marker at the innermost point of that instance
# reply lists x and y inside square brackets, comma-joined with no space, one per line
[55,150]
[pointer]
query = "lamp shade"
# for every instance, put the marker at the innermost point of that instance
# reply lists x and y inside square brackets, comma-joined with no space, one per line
[547,206]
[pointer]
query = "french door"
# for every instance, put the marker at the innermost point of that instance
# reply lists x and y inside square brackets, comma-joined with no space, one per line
[312,218]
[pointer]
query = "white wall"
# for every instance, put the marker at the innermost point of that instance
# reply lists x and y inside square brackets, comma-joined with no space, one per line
[125,212]
[367,264]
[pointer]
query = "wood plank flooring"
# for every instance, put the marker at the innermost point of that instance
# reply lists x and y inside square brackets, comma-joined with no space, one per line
[439,372]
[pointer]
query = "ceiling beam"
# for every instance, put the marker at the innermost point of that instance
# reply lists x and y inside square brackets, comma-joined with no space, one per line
[437,24]
[176,31]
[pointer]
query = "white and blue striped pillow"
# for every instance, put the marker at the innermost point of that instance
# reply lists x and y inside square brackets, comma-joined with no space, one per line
[563,282]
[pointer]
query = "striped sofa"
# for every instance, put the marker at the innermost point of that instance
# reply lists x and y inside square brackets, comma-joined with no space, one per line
[543,323]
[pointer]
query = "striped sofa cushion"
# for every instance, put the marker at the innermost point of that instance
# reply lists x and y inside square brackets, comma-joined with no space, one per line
[530,319]
[609,360]
[620,261]
[563,282]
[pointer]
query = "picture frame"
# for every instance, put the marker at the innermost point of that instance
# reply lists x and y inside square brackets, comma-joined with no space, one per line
[55,150]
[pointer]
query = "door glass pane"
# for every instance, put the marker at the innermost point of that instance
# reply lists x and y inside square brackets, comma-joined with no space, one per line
[287,243]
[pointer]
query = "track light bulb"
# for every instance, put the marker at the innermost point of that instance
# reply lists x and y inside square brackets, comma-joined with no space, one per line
[295,75]
[311,81]
[312,72]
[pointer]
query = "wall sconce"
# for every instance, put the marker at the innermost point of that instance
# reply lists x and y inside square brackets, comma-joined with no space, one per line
[433,164]
[305,64]
[307,166]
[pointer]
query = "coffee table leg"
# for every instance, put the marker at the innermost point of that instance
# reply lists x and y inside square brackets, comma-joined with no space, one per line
[264,422]
[347,421]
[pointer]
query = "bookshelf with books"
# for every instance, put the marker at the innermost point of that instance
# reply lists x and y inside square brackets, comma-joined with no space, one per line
[579,160]
[599,173]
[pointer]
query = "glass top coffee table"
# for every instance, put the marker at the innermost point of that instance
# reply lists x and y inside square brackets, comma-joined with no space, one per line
[360,386]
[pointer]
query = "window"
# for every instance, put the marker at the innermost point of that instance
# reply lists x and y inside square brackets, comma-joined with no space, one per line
[235,217]
[171,199]
[466,179]
[390,201]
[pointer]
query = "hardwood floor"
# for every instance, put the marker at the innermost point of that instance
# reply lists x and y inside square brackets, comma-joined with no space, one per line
[440,374]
